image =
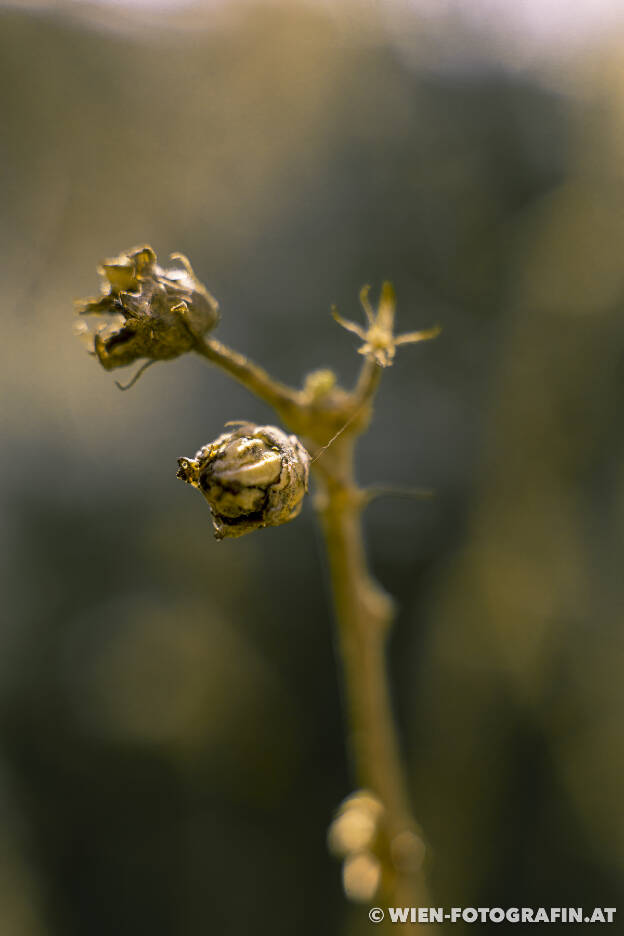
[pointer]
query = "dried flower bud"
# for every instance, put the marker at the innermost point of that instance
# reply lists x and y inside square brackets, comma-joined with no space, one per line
[252,477]
[361,876]
[356,824]
[380,341]
[152,313]
[353,836]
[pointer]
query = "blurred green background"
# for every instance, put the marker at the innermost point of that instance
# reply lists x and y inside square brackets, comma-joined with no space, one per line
[171,736]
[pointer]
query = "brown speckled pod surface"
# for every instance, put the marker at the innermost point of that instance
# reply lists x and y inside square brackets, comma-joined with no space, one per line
[252,477]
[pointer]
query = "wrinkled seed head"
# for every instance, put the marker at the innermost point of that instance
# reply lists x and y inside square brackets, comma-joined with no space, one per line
[252,477]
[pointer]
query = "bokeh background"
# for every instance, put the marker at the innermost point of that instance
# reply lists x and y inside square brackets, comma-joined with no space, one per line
[171,734]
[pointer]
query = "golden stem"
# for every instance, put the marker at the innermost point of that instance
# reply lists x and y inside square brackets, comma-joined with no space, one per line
[282,397]
[363,610]
[364,613]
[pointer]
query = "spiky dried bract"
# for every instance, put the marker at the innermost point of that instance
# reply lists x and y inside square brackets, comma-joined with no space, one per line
[252,477]
[380,341]
[153,313]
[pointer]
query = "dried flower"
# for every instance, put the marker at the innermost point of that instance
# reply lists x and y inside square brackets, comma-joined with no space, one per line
[252,477]
[379,339]
[153,313]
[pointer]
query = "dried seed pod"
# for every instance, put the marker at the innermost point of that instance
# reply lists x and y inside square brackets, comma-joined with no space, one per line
[152,312]
[252,477]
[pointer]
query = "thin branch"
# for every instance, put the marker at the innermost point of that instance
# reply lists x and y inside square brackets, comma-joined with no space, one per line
[368,380]
[255,378]
[364,614]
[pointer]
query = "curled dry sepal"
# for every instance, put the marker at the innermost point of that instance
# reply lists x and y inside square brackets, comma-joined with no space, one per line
[252,477]
[151,312]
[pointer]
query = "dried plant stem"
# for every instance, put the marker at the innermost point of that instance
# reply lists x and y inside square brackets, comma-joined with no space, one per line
[254,377]
[167,312]
[364,613]
[363,610]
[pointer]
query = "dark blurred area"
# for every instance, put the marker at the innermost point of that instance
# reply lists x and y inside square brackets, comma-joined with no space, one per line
[171,733]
